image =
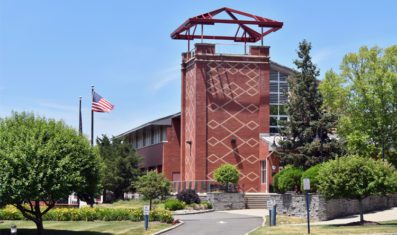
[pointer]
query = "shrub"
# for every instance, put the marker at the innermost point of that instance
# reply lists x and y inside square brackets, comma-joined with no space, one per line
[188,196]
[207,204]
[225,174]
[356,177]
[173,204]
[311,174]
[91,214]
[288,179]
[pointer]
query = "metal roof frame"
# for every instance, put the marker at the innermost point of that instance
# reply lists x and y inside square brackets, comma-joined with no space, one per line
[187,31]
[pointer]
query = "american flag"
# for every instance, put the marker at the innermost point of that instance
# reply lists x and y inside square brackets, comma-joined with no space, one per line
[100,104]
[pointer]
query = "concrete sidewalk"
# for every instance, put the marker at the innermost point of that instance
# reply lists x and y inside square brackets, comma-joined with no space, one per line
[377,216]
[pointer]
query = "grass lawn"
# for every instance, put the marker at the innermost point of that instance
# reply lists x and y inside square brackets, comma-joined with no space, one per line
[130,204]
[383,227]
[83,227]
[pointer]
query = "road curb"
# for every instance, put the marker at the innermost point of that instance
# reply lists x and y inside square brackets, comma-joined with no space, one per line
[170,228]
[194,212]
[247,233]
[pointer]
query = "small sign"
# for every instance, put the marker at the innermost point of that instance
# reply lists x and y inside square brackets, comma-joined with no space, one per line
[270,204]
[306,184]
[146,210]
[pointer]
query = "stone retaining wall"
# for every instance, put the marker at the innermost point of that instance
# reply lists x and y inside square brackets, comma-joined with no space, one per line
[226,201]
[321,209]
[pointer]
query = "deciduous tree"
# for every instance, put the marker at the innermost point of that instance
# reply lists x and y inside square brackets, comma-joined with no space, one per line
[356,177]
[364,95]
[152,185]
[42,161]
[225,174]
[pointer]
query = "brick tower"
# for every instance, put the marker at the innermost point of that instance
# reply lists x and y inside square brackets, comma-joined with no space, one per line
[225,101]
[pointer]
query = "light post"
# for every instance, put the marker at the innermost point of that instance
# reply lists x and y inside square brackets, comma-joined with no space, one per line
[319,139]
[306,187]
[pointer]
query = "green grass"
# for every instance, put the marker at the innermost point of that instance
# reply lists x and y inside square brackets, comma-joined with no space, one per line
[383,227]
[283,219]
[130,204]
[86,228]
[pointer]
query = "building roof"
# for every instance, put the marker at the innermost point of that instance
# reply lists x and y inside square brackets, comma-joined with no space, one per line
[164,121]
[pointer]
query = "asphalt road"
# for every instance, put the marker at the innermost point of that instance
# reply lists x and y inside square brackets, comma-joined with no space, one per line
[215,223]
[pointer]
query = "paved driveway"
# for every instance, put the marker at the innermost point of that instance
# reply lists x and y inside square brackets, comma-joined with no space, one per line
[216,223]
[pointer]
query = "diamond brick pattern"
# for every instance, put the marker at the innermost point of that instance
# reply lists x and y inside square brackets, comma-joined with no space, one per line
[190,121]
[232,111]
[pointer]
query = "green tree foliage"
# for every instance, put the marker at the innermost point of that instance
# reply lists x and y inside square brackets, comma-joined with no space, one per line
[307,118]
[356,177]
[288,179]
[121,165]
[152,185]
[225,174]
[311,174]
[364,95]
[43,161]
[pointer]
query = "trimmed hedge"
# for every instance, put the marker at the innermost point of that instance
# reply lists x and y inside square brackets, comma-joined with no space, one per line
[173,204]
[311,174]
[91,214]
[288,179]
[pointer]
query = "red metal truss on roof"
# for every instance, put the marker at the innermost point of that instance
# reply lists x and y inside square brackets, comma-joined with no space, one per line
[244,33]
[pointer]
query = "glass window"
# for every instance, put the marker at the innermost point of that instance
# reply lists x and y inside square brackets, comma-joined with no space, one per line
[273,121]
[152,135]
[274,130]
[164,134]
[273,87]
[273,75]
[263,172]
[283,77]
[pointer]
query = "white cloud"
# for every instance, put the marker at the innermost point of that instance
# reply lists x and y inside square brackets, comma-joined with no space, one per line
[165,77]
[323,54]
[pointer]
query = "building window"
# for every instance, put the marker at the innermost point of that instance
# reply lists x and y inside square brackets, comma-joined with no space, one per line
[164,134]
[263,172]
[278,99]
[152,135]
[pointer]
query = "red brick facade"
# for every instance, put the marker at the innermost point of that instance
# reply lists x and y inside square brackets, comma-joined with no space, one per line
[225,106]
[225,118]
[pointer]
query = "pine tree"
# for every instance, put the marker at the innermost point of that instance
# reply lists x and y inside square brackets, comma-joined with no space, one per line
[306,139]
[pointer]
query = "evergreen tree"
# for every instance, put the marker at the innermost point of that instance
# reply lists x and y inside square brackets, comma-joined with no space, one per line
[121,165]
[305,135]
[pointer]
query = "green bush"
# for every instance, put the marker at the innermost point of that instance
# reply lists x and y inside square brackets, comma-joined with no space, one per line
[356,177]
[225,174]
[311,174]
[207,204]
[188,196]
[91,214]
[173,204]
[288,179]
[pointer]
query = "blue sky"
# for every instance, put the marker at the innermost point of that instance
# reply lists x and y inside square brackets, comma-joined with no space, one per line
[51,52]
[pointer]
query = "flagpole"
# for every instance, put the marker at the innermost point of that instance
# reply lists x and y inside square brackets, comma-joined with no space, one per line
[80,119]
[92,117]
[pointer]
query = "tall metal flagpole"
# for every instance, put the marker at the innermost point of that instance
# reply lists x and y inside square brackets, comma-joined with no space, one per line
[80,119]
[92,117]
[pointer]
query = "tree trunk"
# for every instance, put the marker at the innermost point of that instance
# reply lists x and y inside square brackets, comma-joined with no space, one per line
[150,204]
[360,203]
[39,225]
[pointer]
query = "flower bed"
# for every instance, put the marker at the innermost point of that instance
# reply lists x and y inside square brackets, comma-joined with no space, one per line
[91,214]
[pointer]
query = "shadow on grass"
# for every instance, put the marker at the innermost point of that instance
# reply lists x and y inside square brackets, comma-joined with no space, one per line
[32,231]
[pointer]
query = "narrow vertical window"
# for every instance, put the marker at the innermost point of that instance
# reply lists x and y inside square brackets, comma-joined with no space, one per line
[263,172]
